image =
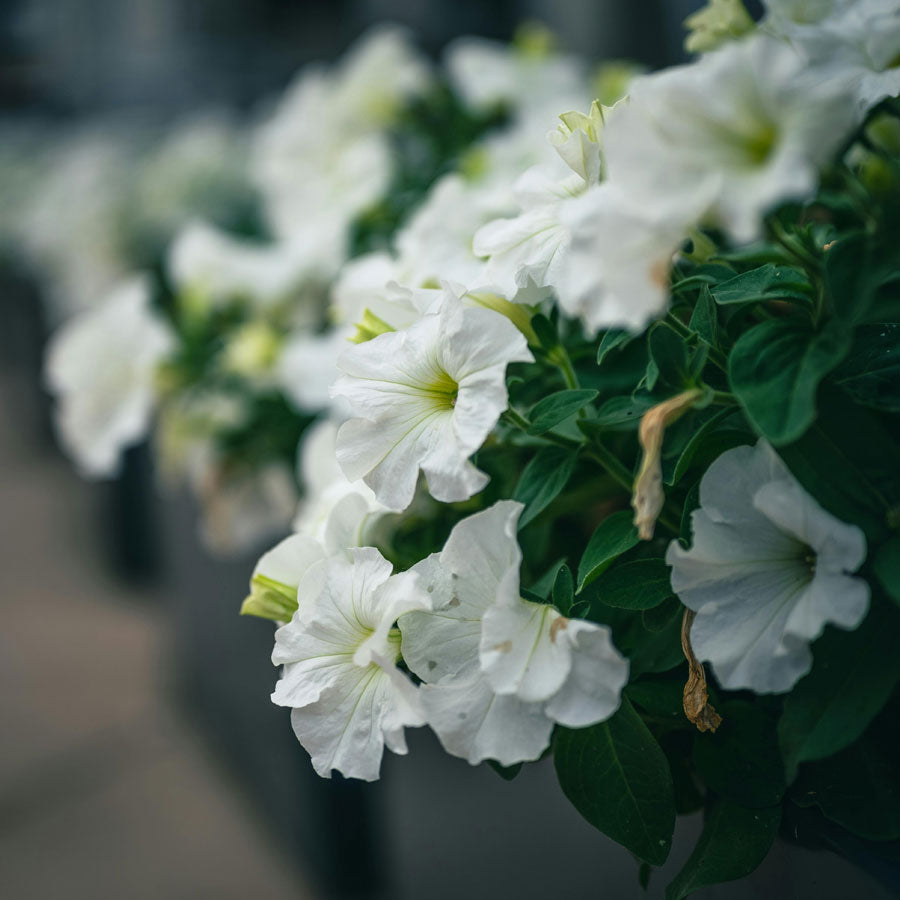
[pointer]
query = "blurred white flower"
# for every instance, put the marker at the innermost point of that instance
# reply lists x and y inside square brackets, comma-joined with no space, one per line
[856,43]
[488,73]
[426,398]
[101,365]
[615,273]
[340,654]
[746,123]
[242,507]
[499,670]
[197,169]
[530,249]
[436,242]
[323,157]
[334,511]
[214,267]
[766,572]
[307,368]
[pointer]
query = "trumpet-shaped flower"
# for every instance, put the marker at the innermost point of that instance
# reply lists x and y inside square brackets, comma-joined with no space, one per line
[340,653]
[746,122]
[500,670]
[767,570]
[855,43]
[616,271]
[277,575]
[101,365]
[425,399]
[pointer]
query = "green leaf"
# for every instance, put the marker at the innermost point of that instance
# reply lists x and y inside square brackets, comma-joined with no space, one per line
[705,318]
[546,331]
[639,584]
[849,278]
[507,773]
[741,761]
[767,282]
[616,775]
[859,788]
[686,456]
[668,352]
[542,479]
[618,413]
[612,537]
[544,584]
[691,503]
[852,677]
[871,373]
[554,409]
[564,590]
[775,369]
[849,440]
[734,842]
[887,567]
[610,340]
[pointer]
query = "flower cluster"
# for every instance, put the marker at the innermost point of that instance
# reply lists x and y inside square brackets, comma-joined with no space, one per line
[681,300]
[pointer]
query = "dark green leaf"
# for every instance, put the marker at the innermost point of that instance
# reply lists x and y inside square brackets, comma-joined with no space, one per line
[544,584]
[871,373]
[546,332]
[639,584]
[618,413]
[553,409]
[694,444]
[849,440]
[859,788]
[849,278]
[740,761]
[610,340]
[668,352]
[612,537]
[704,319]
[564,591]
[852,677]
[617,777]
[767,282]
[887,567]
[734,842]
[542,480]
[775,369]
[507,773]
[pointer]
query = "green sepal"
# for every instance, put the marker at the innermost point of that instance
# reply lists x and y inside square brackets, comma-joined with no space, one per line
[270,599]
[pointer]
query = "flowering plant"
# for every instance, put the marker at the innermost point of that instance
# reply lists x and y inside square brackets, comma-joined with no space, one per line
[652,387]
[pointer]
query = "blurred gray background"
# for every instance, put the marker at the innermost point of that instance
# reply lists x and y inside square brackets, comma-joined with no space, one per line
[141,757]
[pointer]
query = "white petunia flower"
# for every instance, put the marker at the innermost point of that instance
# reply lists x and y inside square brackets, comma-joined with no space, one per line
[487,73]
[102,365]
[323,157]
[215,267]
[766,572]
[500,670]
[307,368]
[277,575]
[340,654]
[616,271]
[425,399]
[531,248]
[746,123]
[334,511]
[857,43]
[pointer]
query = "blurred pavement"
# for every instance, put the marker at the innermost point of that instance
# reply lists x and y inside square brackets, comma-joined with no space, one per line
[105,792]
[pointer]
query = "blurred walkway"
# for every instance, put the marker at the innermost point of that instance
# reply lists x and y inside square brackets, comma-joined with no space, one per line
[104,791]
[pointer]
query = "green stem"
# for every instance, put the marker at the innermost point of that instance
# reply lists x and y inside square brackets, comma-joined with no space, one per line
[560,358]
[725,398]
[714,355]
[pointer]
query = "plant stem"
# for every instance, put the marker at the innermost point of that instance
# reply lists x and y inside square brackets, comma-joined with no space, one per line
[715,356]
